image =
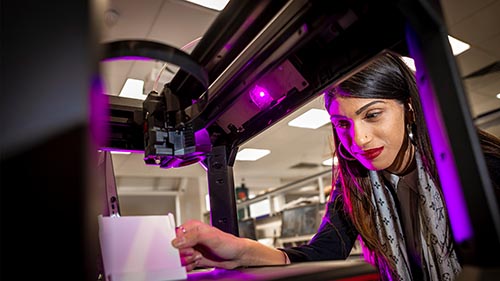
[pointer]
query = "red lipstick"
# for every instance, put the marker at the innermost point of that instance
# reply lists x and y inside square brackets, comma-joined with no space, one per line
[372,153]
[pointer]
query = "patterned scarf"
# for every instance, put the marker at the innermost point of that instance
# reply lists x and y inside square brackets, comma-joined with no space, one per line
[438,262]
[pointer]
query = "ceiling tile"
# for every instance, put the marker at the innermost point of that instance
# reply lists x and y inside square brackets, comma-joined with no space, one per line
[479,104]
[486,84]
[481,93]
[492,45]
[479,26]
[458,10]
[135,19]
[180,23]
[473,60]
[491,86]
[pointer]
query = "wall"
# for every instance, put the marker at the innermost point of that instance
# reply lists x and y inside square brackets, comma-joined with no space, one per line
[183,197]
[192,199]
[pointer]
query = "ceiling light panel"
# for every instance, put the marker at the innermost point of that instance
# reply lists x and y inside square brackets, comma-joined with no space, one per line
[331,161]
[133,88]
[251,154]
[457,46]
[312,119]
[217,5]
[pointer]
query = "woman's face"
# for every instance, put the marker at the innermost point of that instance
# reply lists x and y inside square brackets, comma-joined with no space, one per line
[372,130]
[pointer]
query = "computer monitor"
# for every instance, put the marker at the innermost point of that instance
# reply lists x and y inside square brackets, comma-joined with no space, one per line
[247,228]
[300,221]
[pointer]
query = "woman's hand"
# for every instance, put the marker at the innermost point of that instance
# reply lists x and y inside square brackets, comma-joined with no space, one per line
[201,245]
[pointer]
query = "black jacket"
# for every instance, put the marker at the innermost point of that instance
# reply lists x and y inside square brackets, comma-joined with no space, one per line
[334,239]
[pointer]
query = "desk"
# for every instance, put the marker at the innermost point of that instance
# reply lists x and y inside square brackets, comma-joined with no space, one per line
[357,270]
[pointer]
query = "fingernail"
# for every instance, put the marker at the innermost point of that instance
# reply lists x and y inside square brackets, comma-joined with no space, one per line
[198,257]
[178,242]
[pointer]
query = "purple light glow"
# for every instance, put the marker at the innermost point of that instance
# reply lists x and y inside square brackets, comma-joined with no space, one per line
[228,46]
[260,97]
[112,149]
[98,112]
[445,163]
[443,155]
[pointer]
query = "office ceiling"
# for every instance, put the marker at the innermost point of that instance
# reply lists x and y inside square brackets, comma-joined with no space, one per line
[181,24]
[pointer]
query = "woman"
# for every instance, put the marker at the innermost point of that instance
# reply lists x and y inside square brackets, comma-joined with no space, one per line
[385,172]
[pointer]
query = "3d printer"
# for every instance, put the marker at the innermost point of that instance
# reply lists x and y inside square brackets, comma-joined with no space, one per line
[276,55]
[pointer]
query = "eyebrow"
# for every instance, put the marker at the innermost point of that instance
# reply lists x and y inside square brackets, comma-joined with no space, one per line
[364,107]
[360,110]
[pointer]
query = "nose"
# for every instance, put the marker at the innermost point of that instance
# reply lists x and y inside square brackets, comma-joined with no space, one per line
[361,136]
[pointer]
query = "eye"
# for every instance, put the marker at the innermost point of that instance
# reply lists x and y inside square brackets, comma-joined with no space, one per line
[341,124]
[373,115]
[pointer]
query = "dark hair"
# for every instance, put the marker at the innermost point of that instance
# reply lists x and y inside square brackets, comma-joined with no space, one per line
[386,77]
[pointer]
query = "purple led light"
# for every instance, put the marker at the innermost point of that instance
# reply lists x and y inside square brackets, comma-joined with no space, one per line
[122,150]
[448,174]
[98,112]
[260,97]
[443,155]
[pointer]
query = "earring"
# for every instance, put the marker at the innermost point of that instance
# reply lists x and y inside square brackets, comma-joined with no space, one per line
[339,149]
[410,127]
